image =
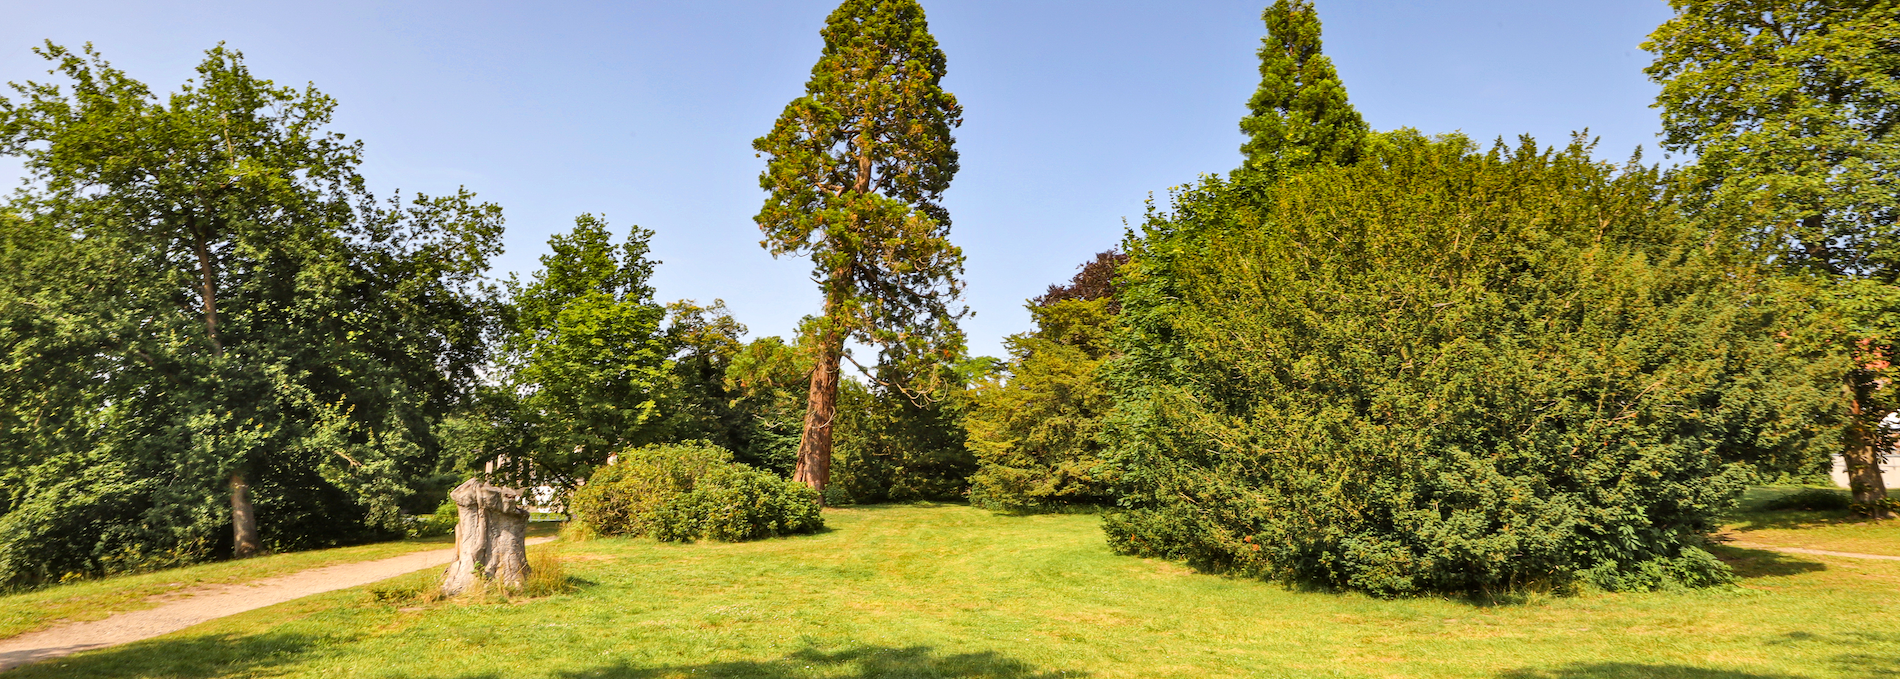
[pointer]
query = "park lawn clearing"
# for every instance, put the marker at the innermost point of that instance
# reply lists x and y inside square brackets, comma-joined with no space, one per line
[1826,530]
[951,591]
[96,599]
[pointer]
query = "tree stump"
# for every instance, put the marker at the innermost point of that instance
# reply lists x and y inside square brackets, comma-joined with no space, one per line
[490,538]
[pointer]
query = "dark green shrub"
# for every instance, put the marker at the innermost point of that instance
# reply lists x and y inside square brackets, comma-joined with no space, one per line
[1884,507]
[692,491]
[442,522]
[1438,370]
[891,447]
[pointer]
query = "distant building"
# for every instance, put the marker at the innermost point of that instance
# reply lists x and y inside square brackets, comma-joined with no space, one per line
[1890,472]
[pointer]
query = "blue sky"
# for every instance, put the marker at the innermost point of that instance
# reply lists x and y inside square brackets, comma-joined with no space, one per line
[1075,113]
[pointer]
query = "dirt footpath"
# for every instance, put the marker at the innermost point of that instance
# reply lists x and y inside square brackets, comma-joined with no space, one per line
[209,603]
[1816,552]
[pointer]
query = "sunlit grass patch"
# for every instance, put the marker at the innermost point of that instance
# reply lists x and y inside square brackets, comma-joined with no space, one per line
[950,591]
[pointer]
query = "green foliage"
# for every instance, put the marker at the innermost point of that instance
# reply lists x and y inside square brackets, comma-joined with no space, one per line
[737,505]
[693,402]
[767,382]
[1876,508]
[745,397]
[200,291]
[903,447]
[1299,116]
[1035,428]
[1438,370]
[1789,109]
[692,491]
[855,170]
[1812,499]
[582,365]
[442,522]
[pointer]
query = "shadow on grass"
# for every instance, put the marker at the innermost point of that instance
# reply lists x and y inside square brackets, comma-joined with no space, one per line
[1858,661]
[1744,522]
[271,654]
[1617,670]
[1867,665]
[867,662]
[194,658]
[1761,563]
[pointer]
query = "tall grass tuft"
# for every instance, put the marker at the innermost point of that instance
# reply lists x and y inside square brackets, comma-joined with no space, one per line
[546,575]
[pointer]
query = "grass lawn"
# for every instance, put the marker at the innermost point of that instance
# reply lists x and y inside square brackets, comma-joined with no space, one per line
[1834,531]
[950,591]
[95,599]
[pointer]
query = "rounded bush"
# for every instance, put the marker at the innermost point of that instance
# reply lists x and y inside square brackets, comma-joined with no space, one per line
[692,491]
[1444,371]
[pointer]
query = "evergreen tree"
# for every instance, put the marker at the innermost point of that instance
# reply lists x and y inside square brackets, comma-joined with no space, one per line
[1791,108]
[1299,116]
[1441,370]
[1035,428]
[855,170]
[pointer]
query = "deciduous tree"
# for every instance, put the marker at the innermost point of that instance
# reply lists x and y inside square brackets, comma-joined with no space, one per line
[245,314]
[583,362]
[1790,108]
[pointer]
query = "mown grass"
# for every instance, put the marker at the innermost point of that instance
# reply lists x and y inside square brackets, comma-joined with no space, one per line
[96,599]
[1830,530]
[950,591]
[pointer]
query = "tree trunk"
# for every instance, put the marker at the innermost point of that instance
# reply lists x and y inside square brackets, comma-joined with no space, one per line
[1867,438]
[814,444]
[491,538]
[244,542]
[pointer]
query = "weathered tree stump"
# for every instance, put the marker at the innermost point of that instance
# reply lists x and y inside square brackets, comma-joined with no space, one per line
[490,538]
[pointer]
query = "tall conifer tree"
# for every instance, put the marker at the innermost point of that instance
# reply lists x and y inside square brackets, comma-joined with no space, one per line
[1299,116]
[856,169]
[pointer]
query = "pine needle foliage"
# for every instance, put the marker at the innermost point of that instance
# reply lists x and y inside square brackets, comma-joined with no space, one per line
[1299,116]
[1439,370]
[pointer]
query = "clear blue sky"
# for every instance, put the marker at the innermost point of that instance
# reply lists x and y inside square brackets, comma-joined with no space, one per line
[645,111]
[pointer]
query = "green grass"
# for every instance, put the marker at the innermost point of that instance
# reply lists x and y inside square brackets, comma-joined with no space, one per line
[950,591]
[96,599]
[1834,531]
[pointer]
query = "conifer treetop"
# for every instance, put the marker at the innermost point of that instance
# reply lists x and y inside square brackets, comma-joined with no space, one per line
[1300,115]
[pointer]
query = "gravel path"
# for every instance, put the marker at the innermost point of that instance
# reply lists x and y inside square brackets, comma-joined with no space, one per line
[209,603]
[1816,552]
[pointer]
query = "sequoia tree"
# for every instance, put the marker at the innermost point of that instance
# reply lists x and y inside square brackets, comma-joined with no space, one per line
[1790,108]
[1299,116]
[855,171]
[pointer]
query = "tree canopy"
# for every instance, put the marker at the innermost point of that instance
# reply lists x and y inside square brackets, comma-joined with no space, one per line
[249,322]
[1789,109]
[1299,116]
[1440,370]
